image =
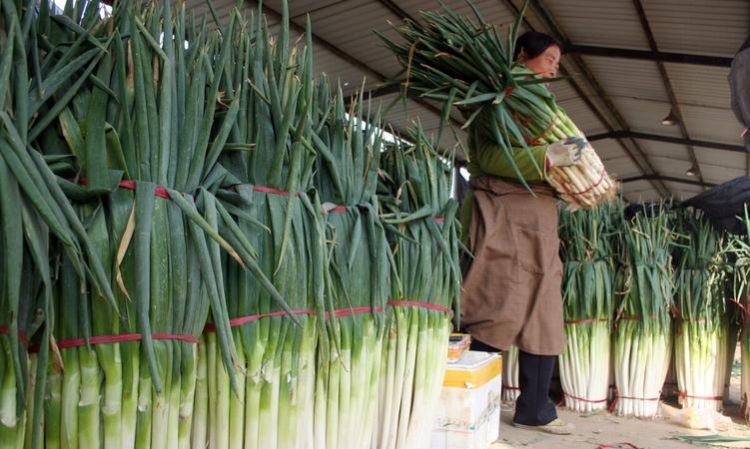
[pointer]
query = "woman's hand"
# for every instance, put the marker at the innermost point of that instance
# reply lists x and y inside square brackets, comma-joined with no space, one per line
[565,152]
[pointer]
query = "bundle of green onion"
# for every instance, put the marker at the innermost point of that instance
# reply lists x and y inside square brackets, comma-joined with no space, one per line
[349,144]
[738,249]
[588,298]
[702,328]
[267,168]
[464,62]
[425,285]
[643,330]
[35,215]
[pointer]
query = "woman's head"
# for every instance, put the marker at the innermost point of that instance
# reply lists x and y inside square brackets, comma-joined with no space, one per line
[539,52]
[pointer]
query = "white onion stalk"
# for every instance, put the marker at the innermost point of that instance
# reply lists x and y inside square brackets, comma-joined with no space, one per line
[511,386]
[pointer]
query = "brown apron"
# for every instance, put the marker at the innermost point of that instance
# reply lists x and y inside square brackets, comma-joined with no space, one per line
[511,293]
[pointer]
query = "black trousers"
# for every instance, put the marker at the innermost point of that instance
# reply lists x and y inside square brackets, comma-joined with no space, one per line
[533,406]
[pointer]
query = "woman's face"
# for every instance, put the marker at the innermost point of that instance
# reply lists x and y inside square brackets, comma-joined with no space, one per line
[546,64]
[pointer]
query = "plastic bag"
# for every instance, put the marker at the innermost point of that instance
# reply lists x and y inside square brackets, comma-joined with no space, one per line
[697,418]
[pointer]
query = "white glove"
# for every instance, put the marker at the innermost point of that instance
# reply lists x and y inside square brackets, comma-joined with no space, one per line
[566,152]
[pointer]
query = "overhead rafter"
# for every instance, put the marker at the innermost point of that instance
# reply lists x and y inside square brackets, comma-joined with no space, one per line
[397,10]
[669,179]
[641,161]
[649,55]
[378,91]
[381,77]
[667,139]
[667,84]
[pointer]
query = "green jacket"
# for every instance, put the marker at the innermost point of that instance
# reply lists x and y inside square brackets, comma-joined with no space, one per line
[486,157]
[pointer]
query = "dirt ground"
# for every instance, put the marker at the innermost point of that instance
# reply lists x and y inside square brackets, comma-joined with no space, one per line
[593,431]
[607,429]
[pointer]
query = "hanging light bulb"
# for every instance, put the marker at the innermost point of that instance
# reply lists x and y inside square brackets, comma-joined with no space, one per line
[693,170]
[671,119]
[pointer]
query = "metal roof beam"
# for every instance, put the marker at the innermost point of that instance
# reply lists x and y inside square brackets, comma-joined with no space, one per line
[667,84]
[641,160]
[668,139]
[397,10]
[649,55]
[669,179]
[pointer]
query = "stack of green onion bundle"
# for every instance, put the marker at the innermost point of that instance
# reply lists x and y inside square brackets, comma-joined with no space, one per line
[144,119]
[425,286]
[34,212]
[511,386]
[268,168]
[349,144]
[465,63]
[643,335]
[738,249]
[701,327]
[588,297]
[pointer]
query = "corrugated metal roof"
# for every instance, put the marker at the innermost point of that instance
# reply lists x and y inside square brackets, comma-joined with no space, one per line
[664,150]
[622,167]
[712,124]
[682,191]
[635,87]
[628,78]
[609,149]
[611,23]
[582,116]
[639,191]
[723,158]
[700,85]
[646,115]
[716,27]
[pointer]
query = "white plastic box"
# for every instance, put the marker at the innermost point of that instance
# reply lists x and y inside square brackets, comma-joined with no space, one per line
[468,415]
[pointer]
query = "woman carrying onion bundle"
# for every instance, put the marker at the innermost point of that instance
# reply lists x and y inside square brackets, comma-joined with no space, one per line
[512,289]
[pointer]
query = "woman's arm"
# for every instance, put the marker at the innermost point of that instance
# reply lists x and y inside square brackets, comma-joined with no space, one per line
[492,160]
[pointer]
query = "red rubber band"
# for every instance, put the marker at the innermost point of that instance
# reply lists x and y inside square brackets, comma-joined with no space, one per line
[683,394]
[536,141]
[439,220]
[128,184]
[613,406]
[420,305]
[351,311]
[509,91]
[5,330]
[122,338]
[582,399]
[338,210]
[601,178]
[160,192]
[637,399]
[617,446]
[239,321]
[635,318]
[567,191]
[270,190]
[587,321]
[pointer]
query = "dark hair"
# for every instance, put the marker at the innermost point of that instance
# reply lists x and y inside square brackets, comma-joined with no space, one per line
[533,44]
